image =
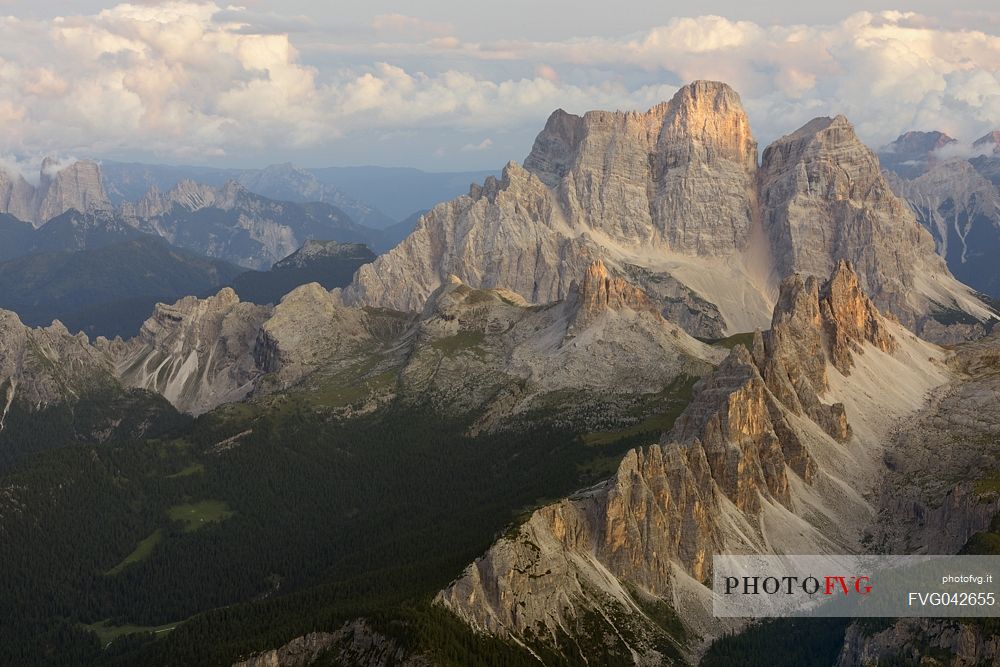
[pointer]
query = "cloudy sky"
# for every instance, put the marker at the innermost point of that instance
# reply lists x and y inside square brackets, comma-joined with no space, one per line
[443,84]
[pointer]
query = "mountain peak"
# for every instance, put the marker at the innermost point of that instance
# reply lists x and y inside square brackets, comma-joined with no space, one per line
[827,322]
[914,152]
[61,187]
[989,141]
[721,96]
[919,143]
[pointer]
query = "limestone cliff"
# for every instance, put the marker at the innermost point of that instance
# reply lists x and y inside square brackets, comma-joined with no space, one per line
[197,353]
[60,188]
[234,224]
[680,176]
[988,143]
[824,199]
[760,461]
[961,208]
[16,196]
[913,153]
[488,354]
[673,200]
[77,186]
[45,366]
[658,193]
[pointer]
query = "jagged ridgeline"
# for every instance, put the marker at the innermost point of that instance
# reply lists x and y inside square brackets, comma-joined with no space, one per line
[955,196]
[518,437]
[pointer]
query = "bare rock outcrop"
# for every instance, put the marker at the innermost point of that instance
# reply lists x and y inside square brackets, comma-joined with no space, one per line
[311,329]
[197,353]
[824,200]
[913,153]
[46,365]
[960,206]
[16,196]
[672,199]
[678,180]
[77,186]
[743,469]
[600,291]
[355,643]
[988,143]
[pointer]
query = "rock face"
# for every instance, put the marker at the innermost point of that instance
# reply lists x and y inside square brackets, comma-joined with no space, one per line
[17,196]
[672,199]
[241,227]
[758,462]
[825,200]
[355,643]
[76,186]
[44,366]
[961,208]
[654,190]
[484,352]
[645,178]
[312,329]
[197,353]
[599,292]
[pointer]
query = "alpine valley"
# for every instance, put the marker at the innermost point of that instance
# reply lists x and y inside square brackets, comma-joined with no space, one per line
[278,421]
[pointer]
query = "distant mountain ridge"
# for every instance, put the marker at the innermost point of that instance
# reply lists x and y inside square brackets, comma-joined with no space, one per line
[373,196]
[60,188]
[108,289]
[242,227]
[955,196]
[328,263]
[227,221]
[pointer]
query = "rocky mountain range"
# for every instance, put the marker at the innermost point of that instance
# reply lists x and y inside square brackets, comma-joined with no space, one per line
[519,436]
[674,199]
[60,188]
[375,197]
[239,226]
[957,198]
[912,153]
[70,211]
[772,456]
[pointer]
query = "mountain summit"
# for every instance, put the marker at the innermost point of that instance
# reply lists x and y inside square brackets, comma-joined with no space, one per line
[60,188]
[674,200]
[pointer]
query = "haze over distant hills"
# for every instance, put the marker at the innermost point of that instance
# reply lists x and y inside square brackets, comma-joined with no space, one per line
[376,197]
[519,435]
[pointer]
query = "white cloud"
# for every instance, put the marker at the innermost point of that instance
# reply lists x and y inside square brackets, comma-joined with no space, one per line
[197,79]
[483,145]
[407,27]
